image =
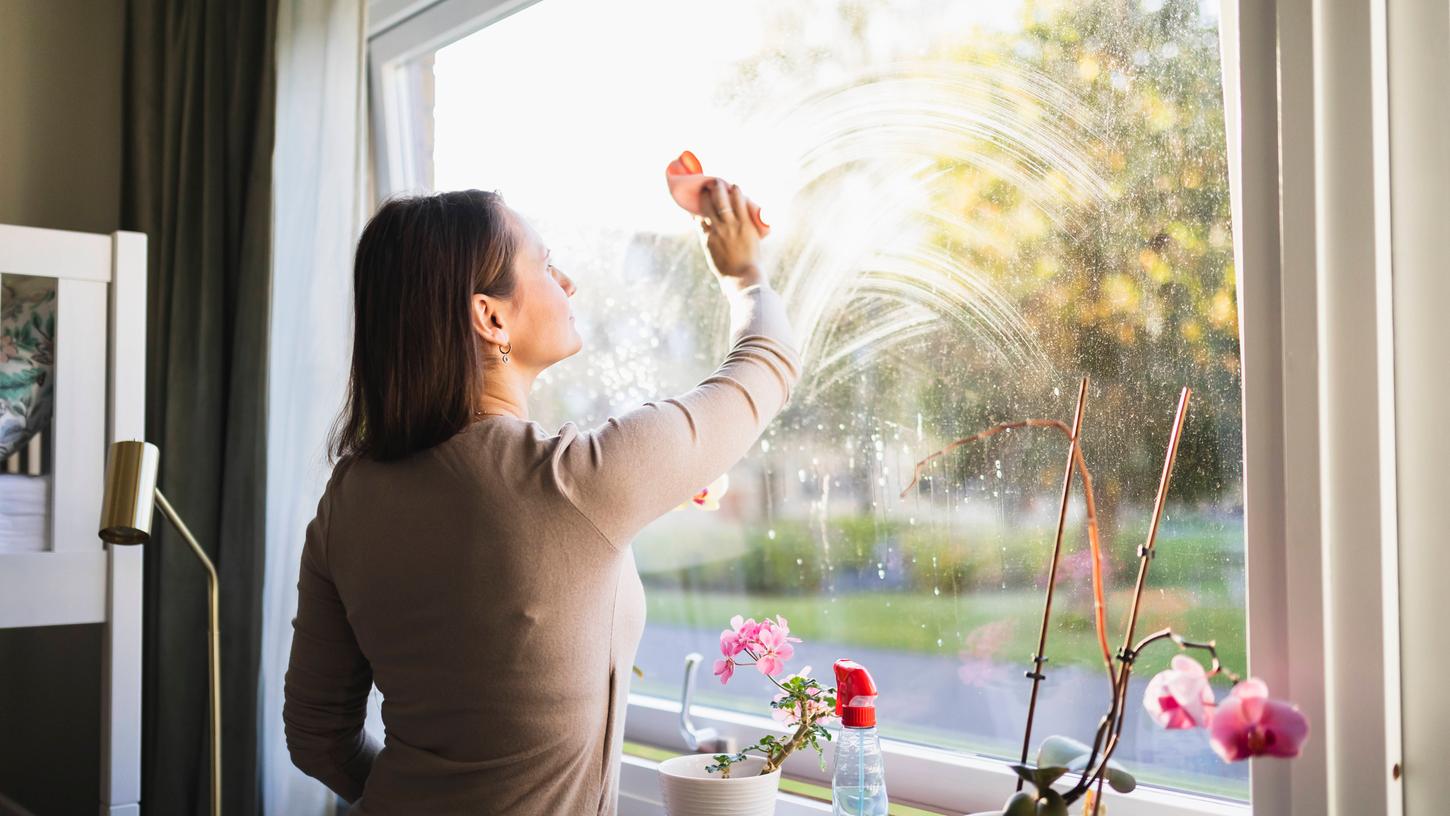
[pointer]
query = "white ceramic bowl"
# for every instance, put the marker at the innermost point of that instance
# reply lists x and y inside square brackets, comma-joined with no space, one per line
[689,791]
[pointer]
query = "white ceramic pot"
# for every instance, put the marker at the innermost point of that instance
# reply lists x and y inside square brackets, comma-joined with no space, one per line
[689,791]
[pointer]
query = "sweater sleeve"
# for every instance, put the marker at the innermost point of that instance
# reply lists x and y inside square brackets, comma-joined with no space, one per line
[328,679]
[636,467]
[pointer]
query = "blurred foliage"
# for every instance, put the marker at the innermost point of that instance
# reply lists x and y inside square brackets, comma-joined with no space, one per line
[1135,289]
[1140,291]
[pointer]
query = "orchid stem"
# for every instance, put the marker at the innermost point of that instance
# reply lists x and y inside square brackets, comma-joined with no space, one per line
[1129,653]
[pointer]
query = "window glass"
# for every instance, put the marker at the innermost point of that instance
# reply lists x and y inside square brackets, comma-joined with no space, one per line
[973,205]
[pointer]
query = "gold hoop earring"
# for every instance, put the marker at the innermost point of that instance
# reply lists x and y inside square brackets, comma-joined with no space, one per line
[504,350]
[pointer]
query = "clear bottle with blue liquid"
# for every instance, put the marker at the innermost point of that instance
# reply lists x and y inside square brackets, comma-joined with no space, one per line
[858,786]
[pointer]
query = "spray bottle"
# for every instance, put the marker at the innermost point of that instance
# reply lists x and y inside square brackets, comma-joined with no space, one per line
[858,787]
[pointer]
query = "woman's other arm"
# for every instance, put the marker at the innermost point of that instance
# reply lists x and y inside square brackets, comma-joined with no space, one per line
[636,467]
[328,680]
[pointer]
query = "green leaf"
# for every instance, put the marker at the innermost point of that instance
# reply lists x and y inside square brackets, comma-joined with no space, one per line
[1022,803]
[1119,779]
[1051,803]
[1058,750]
[1041,777]
[1026,772]
[1117,776]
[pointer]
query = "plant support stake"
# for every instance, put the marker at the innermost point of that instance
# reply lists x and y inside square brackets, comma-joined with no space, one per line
[1040,656]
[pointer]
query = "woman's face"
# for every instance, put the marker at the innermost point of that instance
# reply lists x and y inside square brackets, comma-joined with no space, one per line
[539,320]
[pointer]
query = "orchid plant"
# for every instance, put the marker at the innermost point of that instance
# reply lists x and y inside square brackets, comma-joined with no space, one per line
[1245,724]
[801,703]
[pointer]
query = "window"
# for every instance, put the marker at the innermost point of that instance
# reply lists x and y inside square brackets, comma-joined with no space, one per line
[973,205]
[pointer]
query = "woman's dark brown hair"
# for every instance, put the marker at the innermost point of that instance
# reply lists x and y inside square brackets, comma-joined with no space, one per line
[417,367]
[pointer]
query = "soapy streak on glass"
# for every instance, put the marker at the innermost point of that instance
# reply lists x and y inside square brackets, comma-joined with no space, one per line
[968,212]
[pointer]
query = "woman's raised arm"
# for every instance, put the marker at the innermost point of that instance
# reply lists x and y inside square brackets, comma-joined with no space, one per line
[636,467]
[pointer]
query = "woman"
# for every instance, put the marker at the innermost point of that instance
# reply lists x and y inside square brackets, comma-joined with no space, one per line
[474,566]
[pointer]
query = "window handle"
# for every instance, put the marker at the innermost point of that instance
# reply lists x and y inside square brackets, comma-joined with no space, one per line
[702,740]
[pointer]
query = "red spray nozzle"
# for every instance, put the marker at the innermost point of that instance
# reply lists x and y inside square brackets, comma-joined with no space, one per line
[855,694]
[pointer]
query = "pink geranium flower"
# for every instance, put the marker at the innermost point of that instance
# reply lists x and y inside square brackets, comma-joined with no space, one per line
[724,669]
[731,643]
[747,627]
[1249,724]
[767,642]
[1180,697]
[774,646]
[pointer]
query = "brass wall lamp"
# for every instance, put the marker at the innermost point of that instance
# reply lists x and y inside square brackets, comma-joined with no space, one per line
[126,519]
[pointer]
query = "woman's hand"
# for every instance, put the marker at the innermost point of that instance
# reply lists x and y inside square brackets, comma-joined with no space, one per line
[731,241]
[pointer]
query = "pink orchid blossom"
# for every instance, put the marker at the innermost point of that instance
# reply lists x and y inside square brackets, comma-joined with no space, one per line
[1249,724]
[1180,697]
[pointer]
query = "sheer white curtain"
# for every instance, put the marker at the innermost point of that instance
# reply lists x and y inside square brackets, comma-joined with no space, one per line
[319,195]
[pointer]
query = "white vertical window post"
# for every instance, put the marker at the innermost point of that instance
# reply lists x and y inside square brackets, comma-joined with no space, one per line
[1357,419]
[1269,83]
[1419,67]
[1315,298]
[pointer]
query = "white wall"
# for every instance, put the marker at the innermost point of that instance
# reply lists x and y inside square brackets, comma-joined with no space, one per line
[1419,65]
[60,152]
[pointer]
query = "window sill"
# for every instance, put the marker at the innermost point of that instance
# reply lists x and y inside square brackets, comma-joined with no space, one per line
[639,789]
[942,781]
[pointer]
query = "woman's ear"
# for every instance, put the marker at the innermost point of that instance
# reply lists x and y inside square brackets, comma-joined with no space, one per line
[488,320]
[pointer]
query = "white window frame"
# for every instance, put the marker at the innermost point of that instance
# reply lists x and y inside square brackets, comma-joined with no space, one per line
[1305,90]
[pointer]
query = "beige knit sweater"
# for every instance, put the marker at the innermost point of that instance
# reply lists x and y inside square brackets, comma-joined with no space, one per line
[487,587]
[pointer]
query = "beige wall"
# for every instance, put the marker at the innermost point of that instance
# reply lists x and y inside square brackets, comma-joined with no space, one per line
[60,113]
[60,167]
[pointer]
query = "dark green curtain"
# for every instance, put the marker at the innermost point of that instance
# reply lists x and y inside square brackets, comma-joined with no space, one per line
[198,110]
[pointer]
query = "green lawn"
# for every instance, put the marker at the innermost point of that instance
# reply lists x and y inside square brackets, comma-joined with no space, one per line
[998,625]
